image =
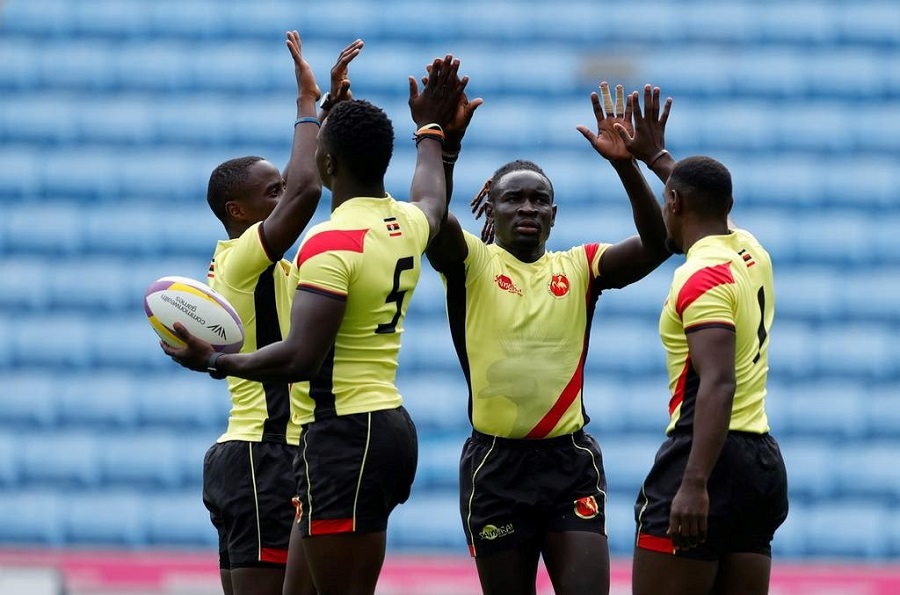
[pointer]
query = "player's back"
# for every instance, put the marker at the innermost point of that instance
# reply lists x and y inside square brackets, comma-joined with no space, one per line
[368,253]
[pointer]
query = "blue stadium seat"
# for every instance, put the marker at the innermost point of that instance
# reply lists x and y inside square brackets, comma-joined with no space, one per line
[811,466]
[791,540]
[427,522]
[53,228]
[627,460]
[41,17]
[814,235]
[120,120]
[644,403]
[143,459]
[886,239]
[426,344]
[23,73]
[848,68]
[81,173]
[857,350]
[868,23]
[869,470]
[797,22]
[165,66]
[201,121]
[20,178]
[436,401]
[105,518]
[48,120]
[127,342]
[9,468]
[178,398]
[94,285]
[128,19]
[25,284]
[81,65]
[98,399]
[620,524]
[865,185]
[52,340]
[792,348]
[882,413]
[29,400]
[625,347]
[827,408]
[854,528]
[809,293]
[175,176]
[32,517]
[439,463]
[192,447]
[61,459]
[179,519]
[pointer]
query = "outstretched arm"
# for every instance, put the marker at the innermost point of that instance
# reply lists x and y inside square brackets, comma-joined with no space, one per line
[634,258]
[432,110]
[302,187]
[449,246]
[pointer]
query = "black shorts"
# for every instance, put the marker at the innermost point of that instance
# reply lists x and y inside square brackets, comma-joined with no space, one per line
[514,490]
[352,470]
[747,497]
[247,488]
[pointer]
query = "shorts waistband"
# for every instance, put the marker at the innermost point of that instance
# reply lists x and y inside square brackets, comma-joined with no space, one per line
[689,433]
[529,443]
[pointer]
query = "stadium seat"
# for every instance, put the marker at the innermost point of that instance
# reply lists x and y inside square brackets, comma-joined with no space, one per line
[854,528]
[32,517]
[116,121]
[23,73]
[627,460]
[143,459]
[792,349]
[127,342]
[868,24]
[439,463]
[29,400]
[791,540]
[810,464]
[825,408]
[810,294]
[60,459]
[49,120]
[100,284]
[9,469]
[181,519]
[81,174]
[856,350]
[192,449]
[437,402]
[51,340]
[625,347]
[25,284]
[869,470]
[110,518]
[800,22]
[620,524]
[882,413]
[427,523]
[98,400]
[178,398]
[48,228]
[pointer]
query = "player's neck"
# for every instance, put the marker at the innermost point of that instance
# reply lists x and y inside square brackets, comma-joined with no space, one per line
[524,253]
[697,231]
[344,190]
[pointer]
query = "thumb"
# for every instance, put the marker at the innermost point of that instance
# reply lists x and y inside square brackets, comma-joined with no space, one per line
[587,133]
[623,133]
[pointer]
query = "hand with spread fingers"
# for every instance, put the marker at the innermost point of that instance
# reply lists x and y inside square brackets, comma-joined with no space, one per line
[614,124]
[340,77]
[440,96]
[649,126]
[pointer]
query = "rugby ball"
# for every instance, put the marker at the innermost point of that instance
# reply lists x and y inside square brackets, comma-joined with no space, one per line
[203,311]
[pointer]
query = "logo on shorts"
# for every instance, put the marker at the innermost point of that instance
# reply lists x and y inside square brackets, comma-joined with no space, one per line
[492,532]
[586,508]
[506,284]
[559,285]
[298,506]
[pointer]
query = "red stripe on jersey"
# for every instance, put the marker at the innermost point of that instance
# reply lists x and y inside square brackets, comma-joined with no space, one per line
[349,240]
[655,544]
[330,526]
[701,282]
[275,555]
[590,251]
[678,396]
[566,398]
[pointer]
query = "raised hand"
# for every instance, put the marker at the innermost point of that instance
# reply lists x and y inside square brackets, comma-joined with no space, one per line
[649,127]
[439,101]
[306,80]
[340,72]
[613,124]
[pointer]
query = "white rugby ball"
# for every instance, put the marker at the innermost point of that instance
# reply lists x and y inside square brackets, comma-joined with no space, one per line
[203,311]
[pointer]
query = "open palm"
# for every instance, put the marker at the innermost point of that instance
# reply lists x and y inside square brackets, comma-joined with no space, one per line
[613,121]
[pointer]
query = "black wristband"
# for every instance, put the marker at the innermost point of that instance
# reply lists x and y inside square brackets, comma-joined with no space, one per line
[211,368]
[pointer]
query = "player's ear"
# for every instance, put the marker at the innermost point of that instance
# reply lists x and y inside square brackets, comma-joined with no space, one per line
[234,209]
[553,217]
[677,202]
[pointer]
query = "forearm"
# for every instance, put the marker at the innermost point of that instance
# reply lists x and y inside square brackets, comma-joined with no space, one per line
[429,185]
[712,415]
[662,166]
[302,182]
[645,209]
[277,363]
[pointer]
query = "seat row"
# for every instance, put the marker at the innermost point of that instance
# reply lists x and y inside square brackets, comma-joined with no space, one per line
[795,23]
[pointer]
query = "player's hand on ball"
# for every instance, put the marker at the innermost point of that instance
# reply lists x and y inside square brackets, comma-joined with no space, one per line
[194,355]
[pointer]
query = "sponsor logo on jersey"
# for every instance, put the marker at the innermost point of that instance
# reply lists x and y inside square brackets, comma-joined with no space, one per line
[506,284]
[586,508]
[492,532]
[559,285]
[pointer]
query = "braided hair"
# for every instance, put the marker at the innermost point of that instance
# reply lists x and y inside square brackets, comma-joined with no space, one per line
[479,203]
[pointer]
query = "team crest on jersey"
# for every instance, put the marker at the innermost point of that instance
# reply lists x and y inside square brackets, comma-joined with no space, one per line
[507,284]
[586,508]
[298,506]
[747,257]
[559,285]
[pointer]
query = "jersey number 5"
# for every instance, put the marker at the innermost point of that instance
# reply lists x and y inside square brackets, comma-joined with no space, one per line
[404,264]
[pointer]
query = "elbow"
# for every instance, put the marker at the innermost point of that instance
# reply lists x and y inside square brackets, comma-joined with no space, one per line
[301,369]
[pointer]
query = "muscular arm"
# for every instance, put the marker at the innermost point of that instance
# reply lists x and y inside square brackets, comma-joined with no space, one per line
[302,185]
[449,245]
[712,353]
[315,320]
[634,258]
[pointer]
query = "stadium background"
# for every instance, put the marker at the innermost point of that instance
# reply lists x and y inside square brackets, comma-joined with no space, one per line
[114,112]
